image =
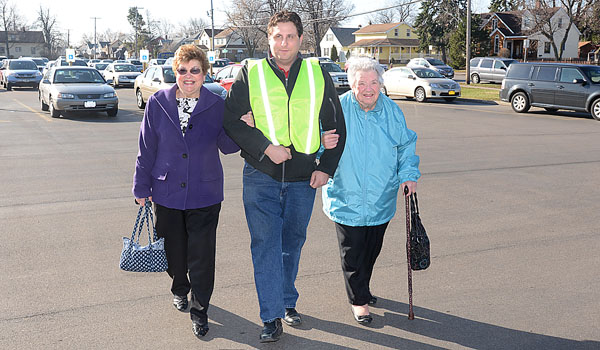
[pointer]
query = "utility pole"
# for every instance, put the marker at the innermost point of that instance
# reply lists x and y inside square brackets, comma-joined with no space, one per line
[212,44]
[68,35]
[468,78]
[137,14]
[95,39]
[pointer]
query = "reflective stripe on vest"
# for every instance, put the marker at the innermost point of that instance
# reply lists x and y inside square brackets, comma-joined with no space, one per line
[284,120]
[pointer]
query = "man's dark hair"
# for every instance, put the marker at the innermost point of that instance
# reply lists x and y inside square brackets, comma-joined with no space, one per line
[285,16]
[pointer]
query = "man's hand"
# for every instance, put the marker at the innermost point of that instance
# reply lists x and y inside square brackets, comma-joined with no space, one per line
[412,187]
[248,118]
[278,154]
[329,139]
[318,179]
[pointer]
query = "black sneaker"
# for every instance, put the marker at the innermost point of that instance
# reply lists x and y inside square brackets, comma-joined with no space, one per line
[200,328]
[180,302]
[271,331]
[292,317]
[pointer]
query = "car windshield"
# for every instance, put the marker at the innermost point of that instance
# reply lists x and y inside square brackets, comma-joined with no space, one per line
[100,66]
[76,63]
[435,62]
[331,67]
[125,68]
[160,61]
[508,62]
[135,62]
[77,76]
[38,61]
[593,73]
[17,65]
[427,73]
[208,79]
[168,75]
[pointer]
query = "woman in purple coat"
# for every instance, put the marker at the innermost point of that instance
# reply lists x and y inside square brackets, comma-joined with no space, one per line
[178,168]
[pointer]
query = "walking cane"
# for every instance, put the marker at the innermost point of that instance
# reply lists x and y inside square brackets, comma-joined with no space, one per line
[411,315]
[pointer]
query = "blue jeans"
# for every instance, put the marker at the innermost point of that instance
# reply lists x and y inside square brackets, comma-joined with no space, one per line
[277,214]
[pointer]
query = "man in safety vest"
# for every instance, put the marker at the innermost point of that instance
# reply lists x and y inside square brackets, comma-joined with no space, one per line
[292,101]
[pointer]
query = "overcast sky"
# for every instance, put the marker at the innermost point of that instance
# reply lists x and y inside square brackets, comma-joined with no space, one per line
[76,16]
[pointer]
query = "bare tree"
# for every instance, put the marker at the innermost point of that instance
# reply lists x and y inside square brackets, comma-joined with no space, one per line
[242,16]
[403,11]
[318,16]
[47,23]
[10,20]
[192,26]
[165,28]
[540,13]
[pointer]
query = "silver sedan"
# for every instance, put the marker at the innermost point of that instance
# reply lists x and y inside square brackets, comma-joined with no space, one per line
[420,84]
[76,89]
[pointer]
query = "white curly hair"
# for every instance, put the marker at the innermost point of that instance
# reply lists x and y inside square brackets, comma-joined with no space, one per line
[361,64]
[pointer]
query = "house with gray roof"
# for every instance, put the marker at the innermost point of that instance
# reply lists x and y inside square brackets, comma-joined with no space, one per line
[339,37]
[22,43]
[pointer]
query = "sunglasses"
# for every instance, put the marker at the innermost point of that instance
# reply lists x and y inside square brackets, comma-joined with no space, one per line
[194,71]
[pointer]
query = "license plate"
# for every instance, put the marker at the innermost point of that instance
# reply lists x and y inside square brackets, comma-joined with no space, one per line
[89,104]
[26,80]
[451,92]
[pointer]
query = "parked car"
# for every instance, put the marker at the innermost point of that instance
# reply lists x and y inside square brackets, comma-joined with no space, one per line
[552,86]
[121,74]
[39,62]
[491,69]
[100,66]
[137,63]
[162,77]
[324,59]
[93,60]
[420,84]
[21,73]
[107,60]
[48,65]
[61,62]
[76,88]
[245,60]
[339,77]
[432,63]
[226,76]
[157,61]
[221,62]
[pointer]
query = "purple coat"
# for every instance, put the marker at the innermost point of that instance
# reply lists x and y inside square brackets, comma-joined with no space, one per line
[182,172]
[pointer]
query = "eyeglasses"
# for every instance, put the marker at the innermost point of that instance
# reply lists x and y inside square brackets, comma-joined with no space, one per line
[194,71]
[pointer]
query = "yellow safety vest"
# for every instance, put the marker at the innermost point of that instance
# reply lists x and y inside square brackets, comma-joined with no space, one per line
[283,120]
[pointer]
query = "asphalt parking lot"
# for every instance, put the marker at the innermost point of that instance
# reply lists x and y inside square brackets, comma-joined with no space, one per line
[510,202]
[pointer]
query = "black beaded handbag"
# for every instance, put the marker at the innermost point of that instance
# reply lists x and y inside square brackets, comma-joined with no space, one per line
[419,242]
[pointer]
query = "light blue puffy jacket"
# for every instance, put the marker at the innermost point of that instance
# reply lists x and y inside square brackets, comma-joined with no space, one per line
[379,156]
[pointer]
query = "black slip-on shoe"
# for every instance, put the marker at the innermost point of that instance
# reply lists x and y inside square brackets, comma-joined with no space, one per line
[271,331]
[362,319]
[292,317]
[373,300]
[180,302]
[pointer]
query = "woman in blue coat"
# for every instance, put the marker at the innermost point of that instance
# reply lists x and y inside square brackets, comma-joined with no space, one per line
[379,159]
[178,168]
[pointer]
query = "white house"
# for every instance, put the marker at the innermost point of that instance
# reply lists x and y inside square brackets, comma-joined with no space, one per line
[559,22]
[339,37]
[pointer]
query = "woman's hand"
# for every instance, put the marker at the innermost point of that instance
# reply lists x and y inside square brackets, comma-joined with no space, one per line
[412,187]
[248,118]
[142,201]
[329,139]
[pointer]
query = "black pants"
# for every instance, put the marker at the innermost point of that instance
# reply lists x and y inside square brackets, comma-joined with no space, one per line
[190,240]
[359,248]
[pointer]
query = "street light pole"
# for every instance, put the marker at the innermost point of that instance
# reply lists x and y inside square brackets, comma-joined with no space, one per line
[95,39]
[468,78]
[212,44]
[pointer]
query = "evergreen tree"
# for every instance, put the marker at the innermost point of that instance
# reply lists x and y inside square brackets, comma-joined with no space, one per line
[334,54]
[503,5]
[437,21]
[480,43]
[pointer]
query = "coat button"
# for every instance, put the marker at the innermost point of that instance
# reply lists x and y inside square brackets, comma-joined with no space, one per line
[183,184]
[190,126]
[184,156]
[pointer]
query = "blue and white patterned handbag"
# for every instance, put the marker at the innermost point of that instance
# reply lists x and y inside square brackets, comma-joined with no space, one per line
[149,258]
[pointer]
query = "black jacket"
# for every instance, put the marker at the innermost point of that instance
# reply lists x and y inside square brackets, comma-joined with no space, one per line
[253,143]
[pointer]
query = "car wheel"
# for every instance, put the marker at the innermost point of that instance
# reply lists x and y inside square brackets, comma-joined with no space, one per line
[140,100]
[596,109]
[42,104]
[520,102]
[475,78]
[112,112]
[8,87]
[551,110]
[449,99]
[420,94]
[54,113]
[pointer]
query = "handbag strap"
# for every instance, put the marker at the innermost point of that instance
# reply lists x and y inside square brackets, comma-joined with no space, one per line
[150,222]
[137,223]
[414,204]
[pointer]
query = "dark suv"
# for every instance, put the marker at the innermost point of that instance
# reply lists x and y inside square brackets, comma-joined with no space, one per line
[552,86]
